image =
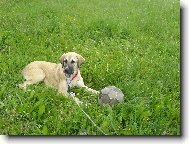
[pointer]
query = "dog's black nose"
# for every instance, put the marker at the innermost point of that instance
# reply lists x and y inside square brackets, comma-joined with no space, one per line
[68,70]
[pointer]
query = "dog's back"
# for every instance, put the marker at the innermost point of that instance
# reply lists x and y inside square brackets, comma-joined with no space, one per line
[38,71]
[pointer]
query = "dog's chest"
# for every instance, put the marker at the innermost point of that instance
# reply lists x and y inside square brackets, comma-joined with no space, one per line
[74,82]
[70,83]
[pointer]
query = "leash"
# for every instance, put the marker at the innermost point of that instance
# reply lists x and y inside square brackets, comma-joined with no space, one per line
[90,118]
[77,102]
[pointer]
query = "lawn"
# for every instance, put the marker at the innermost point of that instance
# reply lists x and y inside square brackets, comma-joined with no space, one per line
[131,44]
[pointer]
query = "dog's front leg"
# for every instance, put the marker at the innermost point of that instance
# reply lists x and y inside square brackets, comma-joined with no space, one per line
[91,90]
[80,83]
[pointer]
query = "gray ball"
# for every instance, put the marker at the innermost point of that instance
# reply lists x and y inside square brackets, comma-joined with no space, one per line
[110,95]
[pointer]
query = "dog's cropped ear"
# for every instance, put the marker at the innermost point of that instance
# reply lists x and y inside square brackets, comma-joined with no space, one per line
[62,59]
[80,60]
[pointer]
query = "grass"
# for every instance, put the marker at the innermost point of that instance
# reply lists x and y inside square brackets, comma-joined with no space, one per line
[134,45]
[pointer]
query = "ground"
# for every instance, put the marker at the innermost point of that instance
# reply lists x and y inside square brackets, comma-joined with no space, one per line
[133,45]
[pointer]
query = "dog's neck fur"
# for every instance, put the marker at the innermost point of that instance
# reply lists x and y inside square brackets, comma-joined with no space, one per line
[75,75]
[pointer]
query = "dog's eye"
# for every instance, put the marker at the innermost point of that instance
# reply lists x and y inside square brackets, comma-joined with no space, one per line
[72,61]
[65,61]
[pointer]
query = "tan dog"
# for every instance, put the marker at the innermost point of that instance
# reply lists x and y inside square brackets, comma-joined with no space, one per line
[61,76]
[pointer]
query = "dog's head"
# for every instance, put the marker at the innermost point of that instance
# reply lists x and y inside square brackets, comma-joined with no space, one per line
[71,62]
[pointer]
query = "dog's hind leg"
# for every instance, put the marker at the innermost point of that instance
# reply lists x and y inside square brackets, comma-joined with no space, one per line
[32,76]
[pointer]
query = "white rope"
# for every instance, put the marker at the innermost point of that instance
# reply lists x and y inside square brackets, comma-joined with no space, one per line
[89,117]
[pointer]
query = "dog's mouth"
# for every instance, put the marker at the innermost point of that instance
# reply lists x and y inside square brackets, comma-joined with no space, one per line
[68,75]
[72,75]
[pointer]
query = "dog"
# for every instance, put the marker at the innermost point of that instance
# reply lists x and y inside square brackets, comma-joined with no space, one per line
[62,76]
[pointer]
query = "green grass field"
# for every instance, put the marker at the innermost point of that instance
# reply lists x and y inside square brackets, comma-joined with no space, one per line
[132,44]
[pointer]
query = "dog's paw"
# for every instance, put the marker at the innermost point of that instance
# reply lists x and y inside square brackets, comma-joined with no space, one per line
[21,86]
[72,94]
[77,101]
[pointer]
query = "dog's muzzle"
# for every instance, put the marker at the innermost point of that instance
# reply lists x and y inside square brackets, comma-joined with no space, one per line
[69,70]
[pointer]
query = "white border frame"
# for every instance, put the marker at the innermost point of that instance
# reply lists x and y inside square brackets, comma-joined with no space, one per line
[184,139]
